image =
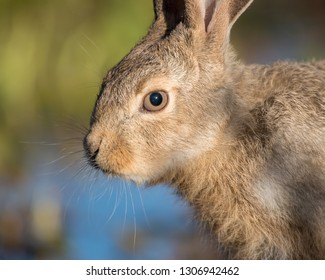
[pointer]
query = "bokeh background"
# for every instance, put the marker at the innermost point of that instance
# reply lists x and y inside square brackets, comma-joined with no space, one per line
[53,55]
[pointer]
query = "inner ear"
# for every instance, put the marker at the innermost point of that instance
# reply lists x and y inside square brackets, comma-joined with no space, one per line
[174,13]
[210,7]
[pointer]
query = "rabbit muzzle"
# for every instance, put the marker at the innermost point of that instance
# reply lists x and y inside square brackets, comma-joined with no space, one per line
[107,151]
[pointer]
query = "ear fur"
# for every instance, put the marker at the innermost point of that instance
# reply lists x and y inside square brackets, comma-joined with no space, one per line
[211,18]
[172,12]
[225,15]
[218,27]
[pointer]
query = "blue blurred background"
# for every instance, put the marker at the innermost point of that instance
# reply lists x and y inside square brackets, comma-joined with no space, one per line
[53,55]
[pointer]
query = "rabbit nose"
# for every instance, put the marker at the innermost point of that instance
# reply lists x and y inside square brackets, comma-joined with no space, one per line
[91,145]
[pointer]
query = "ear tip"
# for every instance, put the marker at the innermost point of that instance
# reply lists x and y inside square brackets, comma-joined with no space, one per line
[237,7]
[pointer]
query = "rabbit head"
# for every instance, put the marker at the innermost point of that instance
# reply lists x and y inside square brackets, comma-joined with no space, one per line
[168,100]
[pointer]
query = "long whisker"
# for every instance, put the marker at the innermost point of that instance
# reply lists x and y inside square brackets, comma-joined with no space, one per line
[143,207]
[134,220]
[114,209]
[126,205]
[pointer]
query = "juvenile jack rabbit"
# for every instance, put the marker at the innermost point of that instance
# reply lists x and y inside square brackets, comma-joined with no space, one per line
[244,145]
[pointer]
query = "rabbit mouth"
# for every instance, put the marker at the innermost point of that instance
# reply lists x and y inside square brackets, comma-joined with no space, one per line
[93,162]
[138,180]
[107,152]
[111,173]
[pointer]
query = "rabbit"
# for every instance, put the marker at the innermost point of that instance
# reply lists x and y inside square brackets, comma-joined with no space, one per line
[244,145]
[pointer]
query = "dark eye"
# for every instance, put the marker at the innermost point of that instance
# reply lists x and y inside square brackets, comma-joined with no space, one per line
[155,101]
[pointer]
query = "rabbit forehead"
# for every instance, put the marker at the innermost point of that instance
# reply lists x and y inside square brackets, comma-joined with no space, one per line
[165,58]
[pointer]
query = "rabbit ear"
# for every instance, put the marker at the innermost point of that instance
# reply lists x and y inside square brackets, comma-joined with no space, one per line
[172,12]
[212,18]
[223,13]
[219,19]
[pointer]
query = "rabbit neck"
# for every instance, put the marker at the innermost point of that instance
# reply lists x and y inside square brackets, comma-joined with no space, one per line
[223,175]
[219,185]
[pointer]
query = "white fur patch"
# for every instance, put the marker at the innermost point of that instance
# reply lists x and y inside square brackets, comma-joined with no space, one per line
[270,194]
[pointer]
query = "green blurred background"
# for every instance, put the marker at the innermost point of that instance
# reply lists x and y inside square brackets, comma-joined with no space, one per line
[54,54]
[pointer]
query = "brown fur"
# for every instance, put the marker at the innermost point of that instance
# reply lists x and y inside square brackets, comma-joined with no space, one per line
[244,145]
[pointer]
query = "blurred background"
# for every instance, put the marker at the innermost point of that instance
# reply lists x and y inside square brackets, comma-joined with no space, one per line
[53,56]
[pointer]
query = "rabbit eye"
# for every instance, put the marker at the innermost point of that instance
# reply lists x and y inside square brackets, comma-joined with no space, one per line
[155,101]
